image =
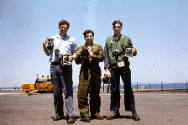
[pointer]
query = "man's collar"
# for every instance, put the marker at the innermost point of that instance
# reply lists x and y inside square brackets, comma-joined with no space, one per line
[61,37]
[116,38]
[88,44]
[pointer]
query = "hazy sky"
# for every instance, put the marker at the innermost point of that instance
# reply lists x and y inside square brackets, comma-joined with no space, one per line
[158,29]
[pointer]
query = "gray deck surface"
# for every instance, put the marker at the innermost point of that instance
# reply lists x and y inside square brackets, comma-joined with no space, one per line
[154,109]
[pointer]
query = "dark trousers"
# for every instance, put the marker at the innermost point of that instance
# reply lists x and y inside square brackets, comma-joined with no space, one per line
[129,102]
[62,78]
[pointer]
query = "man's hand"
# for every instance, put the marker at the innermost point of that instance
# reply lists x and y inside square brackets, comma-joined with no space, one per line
[46,50]
[78,53]
[91,55]
[45,41]
[134,51]
[107,73]
[73,57]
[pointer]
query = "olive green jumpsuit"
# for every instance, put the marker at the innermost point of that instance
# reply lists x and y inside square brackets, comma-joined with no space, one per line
[90,81]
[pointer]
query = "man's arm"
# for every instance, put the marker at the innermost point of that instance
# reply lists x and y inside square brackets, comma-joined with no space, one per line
[130,44]
[77,56]
[73,47]
[46,50]
[106,58]
[73,50]
[106,62]
[100,56]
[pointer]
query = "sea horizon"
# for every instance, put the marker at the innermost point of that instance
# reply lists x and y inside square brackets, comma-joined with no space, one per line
[134,86]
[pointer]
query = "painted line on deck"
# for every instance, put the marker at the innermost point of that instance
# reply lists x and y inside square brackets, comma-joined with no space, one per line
[147,94]
[12,93]
[104,94]
[161,94]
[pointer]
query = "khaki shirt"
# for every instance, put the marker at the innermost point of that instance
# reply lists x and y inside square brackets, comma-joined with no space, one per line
[91,67]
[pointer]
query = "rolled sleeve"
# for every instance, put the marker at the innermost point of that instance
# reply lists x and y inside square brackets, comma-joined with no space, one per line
[74,47]
[130,42]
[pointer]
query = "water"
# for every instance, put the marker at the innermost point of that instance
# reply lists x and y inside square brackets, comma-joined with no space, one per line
[139,86]
[159,86]
[10,88]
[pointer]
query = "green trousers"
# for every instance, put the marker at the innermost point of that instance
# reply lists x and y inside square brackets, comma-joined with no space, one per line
[89,87]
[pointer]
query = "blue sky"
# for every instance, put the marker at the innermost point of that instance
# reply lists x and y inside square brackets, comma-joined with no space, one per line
[158,29]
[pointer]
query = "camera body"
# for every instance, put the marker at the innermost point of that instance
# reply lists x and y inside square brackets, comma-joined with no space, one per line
[50,43]
[126,51]
[129,52]
[116,53]
[84,54]
[66,60]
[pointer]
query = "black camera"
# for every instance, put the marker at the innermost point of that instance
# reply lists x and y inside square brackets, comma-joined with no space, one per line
[50,43]
[116,53]
[84,55]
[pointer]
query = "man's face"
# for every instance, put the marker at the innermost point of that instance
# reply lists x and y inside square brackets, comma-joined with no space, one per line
[63,29]
[117,28]
[89,37]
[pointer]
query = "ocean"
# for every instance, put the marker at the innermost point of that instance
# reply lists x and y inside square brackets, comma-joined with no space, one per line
[164,86]
[157,86]
[137,86]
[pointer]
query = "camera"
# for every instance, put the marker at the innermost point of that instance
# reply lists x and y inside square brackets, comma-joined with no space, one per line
[50,43]
[66,60]
[84,55]
[116,53]
[128,51]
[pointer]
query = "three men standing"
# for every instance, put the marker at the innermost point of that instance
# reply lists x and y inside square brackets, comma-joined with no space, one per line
[61,74]
[116,64]
[89,55]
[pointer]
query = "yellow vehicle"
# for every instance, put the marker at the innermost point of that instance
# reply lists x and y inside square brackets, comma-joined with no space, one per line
[27,87]
[44,87]
[37,87]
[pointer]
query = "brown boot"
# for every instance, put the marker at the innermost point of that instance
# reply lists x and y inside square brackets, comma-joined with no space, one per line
[85,118]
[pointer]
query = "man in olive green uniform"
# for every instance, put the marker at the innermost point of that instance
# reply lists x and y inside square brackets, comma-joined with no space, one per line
[89,55]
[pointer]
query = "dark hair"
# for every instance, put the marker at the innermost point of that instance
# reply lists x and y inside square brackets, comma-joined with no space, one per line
[88,31]
[117,21]
[63,21]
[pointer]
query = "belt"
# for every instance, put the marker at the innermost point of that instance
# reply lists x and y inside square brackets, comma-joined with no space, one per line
[55,63]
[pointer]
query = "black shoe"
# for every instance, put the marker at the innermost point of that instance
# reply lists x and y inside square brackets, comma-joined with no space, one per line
[96,116]
[57,117]
[70,120]
[113,115]
[85,119]
[135,116]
